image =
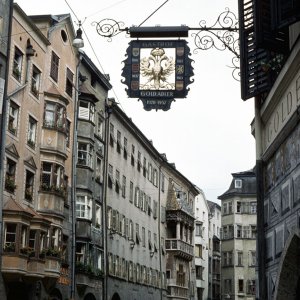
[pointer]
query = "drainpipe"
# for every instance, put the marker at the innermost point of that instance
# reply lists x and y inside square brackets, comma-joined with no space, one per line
[261,282]
[2,143]
[108,111]
[159,237]
[74,181]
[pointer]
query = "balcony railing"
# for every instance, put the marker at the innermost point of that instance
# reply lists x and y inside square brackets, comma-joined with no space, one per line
[177,291]
[181,247]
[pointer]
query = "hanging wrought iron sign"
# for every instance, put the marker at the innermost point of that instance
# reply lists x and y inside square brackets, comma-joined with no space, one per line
[157,72]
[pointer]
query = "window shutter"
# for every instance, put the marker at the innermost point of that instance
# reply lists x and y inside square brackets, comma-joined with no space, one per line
[254,80]
[286,12]
[269,36]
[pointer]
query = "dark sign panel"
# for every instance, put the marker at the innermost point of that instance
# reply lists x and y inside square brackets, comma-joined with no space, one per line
[157,72]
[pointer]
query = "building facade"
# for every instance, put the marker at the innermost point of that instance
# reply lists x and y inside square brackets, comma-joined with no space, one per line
[93,88]
[38,155]
[238,237]
[214,253]
[201,245]
[270,56]
[149,218]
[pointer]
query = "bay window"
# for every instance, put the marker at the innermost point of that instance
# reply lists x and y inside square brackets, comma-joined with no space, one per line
[55,116]
[85,154]
[86,110]
[84,207]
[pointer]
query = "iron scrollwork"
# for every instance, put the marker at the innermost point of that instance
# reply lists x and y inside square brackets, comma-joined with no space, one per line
[222,35]
[109,28]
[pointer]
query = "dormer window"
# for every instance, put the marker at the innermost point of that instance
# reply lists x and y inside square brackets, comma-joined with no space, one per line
[237,183]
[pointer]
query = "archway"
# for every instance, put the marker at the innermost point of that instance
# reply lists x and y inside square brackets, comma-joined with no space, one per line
[288,280]
[55,294]
[89,297]
[17,290]
[116,297]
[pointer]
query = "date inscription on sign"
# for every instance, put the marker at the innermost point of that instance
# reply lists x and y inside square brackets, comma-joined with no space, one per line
[157,72]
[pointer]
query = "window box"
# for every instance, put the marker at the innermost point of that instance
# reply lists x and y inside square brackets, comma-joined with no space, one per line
[9,247]
[27,251]
[50,252]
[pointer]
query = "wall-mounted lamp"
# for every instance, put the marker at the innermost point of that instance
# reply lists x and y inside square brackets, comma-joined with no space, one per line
[78,41]
[151,253]
[29,49]
[132,244]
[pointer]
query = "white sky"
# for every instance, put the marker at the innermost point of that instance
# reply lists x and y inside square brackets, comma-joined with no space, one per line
[207,135]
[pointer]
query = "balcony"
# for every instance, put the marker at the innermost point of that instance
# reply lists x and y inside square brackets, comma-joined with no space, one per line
[177,291]
[51,201]
[36,267]
[180,248]
[14,265]
[52,267]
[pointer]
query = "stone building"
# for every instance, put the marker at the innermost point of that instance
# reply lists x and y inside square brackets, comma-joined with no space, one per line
[149,218]
[270,59]
[238,237]
[201,234]
[214,253]
[38,156]
[93,87]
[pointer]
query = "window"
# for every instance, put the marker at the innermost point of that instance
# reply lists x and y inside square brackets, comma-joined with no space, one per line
[253,207]
[80,252]
[240,258]
[199,272]
[227,285]
[86,110]
[85,154]
[98,171]
[125,148]
[131,192]
[132,155]
[238,231]
[180,279]
[143,237]
[119,146]
[130,230]
[241,286]
[10,175]
[55,116]
[32,238]
[198,229]
[117,185]
[84,207]
[10,237]
[251,287]
[17,66]
[110,179]
[252,258]
[162,182]
[35,81]
[227,258]
[155,177]
[198,250]
[68,127]
[13,118]
[111,134]
[100,126]
[144,167]
[154,209]
[52,177]
[54,67]
[237,183]
[98,216]
[123,186]
[69,82]
[253,231]
[230,207]
[150,178]
[139,163]
[29,182]
[137,197]
[137,232]
[238,207]
[31,137]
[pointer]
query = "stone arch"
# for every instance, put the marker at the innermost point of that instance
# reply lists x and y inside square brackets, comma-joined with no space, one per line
[116,297]
[55,294]
[89,296]
[17,290]
[288,275]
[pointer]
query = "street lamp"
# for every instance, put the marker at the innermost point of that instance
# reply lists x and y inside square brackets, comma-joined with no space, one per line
[78,41]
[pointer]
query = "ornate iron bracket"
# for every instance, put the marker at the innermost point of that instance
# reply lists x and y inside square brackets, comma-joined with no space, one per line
[222,35]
